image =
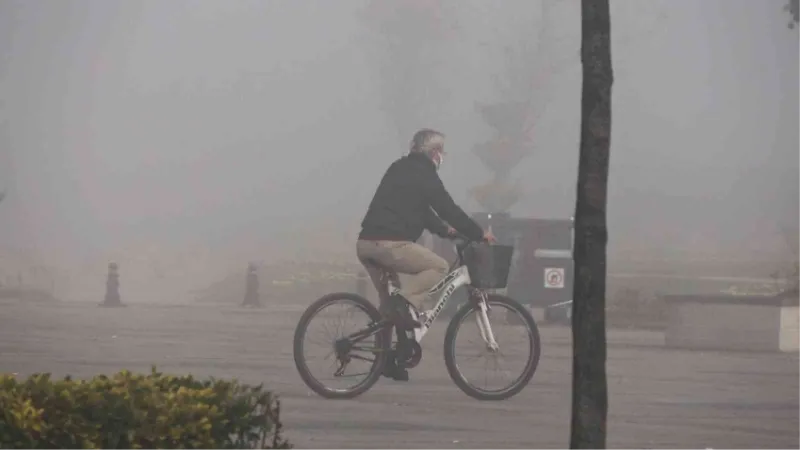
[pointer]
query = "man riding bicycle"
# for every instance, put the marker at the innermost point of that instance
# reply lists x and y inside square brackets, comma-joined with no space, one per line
[411,198]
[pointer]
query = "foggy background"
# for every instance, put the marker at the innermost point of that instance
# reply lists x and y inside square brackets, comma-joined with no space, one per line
[184,138]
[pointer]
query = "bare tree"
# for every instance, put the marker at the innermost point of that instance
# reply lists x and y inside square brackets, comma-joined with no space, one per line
[406,46]
[589,386]
[524,90]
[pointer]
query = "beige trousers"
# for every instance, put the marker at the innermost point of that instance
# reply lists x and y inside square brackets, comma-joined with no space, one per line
[418,269]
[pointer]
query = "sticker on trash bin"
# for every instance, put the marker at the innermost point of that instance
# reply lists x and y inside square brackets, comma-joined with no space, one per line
[554,278]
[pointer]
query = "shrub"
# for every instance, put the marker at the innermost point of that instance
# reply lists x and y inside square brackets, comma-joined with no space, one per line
[137,411]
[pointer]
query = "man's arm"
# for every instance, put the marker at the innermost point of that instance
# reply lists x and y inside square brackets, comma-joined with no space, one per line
[435,225]
[443,204]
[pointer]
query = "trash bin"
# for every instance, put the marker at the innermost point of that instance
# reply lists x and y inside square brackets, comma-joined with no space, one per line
[539,244]
[554,270]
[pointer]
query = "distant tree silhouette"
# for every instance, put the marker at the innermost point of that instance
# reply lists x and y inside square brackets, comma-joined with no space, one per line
[589,386]
[406,39]
[524,89]
[532,69]
[793,8]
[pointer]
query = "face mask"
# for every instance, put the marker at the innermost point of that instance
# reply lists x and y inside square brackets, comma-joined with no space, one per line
[437,160]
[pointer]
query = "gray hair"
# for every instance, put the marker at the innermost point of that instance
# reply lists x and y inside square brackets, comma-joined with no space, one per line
[426,140]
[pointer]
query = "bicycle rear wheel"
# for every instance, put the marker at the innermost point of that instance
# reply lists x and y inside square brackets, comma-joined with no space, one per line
[529,346]
[366,344]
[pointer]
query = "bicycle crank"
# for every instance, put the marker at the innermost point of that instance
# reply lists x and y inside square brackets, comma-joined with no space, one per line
[409,354]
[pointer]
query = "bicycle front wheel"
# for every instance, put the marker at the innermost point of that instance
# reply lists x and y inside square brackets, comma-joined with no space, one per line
[352,356]
[513,362]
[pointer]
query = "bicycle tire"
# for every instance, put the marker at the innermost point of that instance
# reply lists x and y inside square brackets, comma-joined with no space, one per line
[382,342]
[530,367]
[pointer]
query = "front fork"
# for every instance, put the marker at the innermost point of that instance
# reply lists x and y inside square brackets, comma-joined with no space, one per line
[482,317]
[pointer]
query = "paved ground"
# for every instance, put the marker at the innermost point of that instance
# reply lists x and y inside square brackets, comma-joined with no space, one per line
[658,398]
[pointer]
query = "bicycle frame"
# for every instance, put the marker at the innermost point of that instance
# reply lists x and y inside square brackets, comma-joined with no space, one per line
[455,279]
[458,277]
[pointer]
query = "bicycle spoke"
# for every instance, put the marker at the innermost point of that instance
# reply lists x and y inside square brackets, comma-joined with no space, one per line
[500,369]
[362,358]
[352,333]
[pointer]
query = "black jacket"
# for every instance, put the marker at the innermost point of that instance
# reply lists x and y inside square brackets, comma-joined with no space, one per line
[404,204]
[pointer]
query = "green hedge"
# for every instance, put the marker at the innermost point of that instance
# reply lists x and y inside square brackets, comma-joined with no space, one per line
[137,411]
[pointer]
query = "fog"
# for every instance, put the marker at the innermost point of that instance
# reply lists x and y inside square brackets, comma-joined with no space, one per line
[254,130]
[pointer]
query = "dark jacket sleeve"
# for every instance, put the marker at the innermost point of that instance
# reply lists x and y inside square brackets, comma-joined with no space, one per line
[434,224]
[441,202]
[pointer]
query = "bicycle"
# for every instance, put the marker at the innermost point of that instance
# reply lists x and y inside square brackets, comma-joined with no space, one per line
[477,266]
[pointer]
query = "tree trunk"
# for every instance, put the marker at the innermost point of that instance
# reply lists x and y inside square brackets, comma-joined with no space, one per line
[589,388]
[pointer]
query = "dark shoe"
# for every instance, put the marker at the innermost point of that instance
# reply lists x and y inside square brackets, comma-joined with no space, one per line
[393,371]
[399,313]
[399,375]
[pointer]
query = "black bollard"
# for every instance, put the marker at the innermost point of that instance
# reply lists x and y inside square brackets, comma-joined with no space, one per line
[251,297]
[112,297]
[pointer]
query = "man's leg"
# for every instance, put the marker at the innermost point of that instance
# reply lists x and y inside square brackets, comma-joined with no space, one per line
[419,269]
[366,252]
